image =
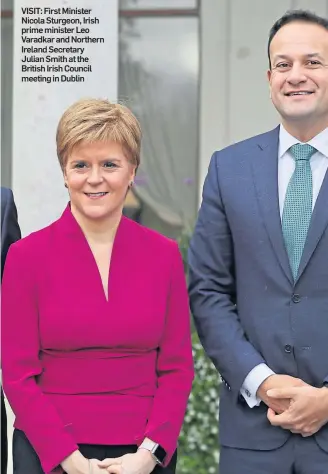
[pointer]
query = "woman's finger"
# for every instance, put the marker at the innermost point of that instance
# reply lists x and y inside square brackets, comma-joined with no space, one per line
[109,462]
[115,469]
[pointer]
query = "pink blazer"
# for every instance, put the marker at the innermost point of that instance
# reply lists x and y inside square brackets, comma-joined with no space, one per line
[80,369]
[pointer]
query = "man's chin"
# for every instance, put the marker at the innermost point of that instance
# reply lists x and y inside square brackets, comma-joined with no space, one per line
[298,115]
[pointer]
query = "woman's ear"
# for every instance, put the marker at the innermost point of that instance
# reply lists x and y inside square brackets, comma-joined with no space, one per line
[65,177]
[133,174]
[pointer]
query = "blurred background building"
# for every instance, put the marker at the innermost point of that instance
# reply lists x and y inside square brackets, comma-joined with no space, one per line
[193,71]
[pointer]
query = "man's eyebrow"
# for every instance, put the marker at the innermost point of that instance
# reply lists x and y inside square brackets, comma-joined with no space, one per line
[314,55]
[309,55]
[281,56]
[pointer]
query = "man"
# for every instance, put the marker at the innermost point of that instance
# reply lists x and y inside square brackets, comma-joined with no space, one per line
[10,232]
[259,268]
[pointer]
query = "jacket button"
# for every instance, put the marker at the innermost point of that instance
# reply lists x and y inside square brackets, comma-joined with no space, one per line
[296,298]
[288,348]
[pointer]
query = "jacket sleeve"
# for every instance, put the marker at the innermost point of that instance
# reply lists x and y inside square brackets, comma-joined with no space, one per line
[36,416]
[212,289]
[175,369]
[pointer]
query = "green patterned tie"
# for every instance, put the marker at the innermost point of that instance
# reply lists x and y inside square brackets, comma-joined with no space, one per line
[297,211]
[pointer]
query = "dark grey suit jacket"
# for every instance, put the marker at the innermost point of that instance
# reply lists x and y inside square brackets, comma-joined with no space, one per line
[246,306]
[10,231]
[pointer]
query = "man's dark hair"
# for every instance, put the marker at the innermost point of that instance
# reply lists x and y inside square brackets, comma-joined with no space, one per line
[293,16]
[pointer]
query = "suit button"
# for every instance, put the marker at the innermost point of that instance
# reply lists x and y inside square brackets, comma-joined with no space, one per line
[288,348]
[296,298]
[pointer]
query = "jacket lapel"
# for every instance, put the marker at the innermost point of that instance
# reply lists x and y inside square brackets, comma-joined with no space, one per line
[318,224]
[265,173]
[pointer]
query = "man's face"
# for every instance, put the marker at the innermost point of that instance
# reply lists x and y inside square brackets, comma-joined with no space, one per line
[299,73]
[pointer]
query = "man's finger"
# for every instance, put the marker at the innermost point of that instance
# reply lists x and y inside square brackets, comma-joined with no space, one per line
[271,414]
[289,392]
[278,420]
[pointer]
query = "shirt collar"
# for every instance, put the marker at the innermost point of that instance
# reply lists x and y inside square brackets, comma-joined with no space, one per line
[286,140]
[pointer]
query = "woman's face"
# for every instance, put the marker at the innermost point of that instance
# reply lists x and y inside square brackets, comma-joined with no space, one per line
[98,176]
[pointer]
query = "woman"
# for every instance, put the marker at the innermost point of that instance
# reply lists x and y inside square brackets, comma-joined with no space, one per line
[97,359]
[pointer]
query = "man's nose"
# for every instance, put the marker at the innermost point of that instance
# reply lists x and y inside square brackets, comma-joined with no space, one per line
[296,75]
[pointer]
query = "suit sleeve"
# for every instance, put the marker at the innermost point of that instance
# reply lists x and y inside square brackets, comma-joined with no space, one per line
[252,382]
[212,289]
[36,416]
[10,228]
[175,369]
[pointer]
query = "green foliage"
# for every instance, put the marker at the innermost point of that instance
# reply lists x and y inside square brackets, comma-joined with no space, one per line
[198,442]
[183,242]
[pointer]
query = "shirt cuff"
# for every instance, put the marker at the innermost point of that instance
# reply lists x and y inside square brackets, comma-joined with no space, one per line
[252,382]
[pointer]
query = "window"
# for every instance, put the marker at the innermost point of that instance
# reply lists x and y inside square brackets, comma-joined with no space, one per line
[158,80]
[157,4]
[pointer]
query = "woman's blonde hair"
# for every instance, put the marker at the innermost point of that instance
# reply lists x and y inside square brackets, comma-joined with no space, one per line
[94,120]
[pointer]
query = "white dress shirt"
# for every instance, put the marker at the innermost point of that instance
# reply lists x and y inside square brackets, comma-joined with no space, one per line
[286,167]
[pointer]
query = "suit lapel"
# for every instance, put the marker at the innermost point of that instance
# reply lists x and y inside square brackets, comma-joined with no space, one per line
[318,224]
[265,173]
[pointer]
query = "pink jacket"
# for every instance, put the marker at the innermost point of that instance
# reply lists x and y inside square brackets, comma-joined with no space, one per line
[80,369]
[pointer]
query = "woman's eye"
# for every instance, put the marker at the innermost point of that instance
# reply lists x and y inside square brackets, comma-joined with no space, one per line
[110,164]
[80,165]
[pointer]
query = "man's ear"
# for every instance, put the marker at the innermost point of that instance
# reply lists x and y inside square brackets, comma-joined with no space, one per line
[269,74]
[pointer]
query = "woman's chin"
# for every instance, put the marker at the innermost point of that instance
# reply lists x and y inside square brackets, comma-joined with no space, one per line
[96,213]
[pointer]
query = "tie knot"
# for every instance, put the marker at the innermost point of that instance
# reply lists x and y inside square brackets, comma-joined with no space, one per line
[302,151]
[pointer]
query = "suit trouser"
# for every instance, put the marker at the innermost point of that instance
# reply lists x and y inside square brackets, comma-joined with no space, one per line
[4,442]
[26,461]
[297,456]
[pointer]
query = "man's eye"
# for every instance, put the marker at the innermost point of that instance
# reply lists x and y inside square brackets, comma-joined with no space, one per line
[282,65]
[314,63]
